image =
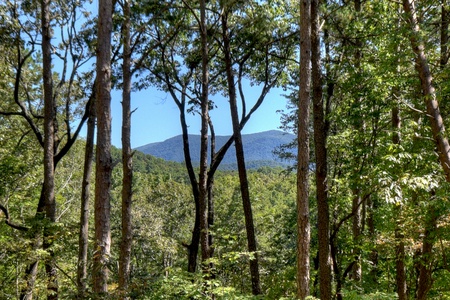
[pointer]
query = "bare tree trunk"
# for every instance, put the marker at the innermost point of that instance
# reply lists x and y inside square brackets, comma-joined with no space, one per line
[103,153]
[210,188]
[127,163]
[83,240]
[400,274]
[249,226]
[373,256]
[203,177]
[444,33]
[303,225]
[49,150]
[426,258]
[356,203]
[195,240]
[437,123]
[320,139]
[356,232]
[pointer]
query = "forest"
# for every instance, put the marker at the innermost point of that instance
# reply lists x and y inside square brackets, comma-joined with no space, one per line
[361,213]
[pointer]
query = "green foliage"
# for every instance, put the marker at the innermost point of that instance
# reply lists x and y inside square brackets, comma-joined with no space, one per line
[354,295]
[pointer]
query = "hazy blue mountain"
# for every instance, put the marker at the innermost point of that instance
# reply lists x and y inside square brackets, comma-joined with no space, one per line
[258,148]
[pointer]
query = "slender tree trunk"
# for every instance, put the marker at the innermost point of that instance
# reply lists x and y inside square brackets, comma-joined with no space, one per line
[195,240]
[356,203]
[400,275]
[203,177]
[320,137]
[356,232]
[249,226]
[83,240]
[437,123]
[210,187]
[303,225]
[400,267]
[426,258]
[444,33]
[49,150]
[103,151]
[127,163]
[373,256]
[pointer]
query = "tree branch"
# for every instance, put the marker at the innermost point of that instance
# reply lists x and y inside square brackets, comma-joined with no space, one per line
[8,222]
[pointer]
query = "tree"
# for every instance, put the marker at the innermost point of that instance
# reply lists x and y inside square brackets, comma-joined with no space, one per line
[176,69]
[61,98]
[248,214]
[437,123]
[441,141]
[303,225]
[83,240]
[127,163]
[49,147]
[103,155]
[320,150]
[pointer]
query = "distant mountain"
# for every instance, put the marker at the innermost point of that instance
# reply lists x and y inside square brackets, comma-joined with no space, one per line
[258,149]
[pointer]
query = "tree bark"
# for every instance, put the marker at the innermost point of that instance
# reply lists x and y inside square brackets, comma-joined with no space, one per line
[356,232]
[103,151]
[356,202]
[434,114]
[195,240]
[248,214]
[425,281]
[83,240]
[400,268]
[303,225]
[444,33]
[127,162]
[203,177]
[49,149]
[320,139]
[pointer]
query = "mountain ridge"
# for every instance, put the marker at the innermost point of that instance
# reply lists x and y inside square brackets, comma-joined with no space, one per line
[258,147]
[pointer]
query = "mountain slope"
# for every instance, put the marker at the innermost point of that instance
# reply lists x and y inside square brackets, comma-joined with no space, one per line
[258,148]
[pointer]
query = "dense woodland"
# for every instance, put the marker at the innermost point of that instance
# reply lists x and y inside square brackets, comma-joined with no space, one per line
[362,214]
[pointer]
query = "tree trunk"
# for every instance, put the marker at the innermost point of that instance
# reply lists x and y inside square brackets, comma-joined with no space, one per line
[444,33]
[49,150]
[443,148]
[437,123]
[356,232]
[303,225]
[210,187]
[425,281]
[373,256]
[195,240]
[320,137]
[400,275]
[127,163]
[103,151]
[83,240]
[356,203]
[249,226]
[203,177]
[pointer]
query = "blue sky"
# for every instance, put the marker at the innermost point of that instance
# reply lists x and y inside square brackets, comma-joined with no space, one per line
[156,117]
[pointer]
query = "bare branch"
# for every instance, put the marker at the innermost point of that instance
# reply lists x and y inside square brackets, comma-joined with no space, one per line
[9,223]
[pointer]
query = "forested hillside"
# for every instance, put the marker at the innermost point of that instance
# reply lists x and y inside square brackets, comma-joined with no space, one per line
[361,213]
